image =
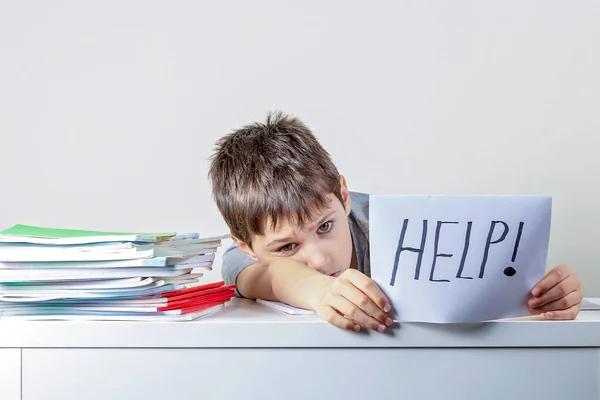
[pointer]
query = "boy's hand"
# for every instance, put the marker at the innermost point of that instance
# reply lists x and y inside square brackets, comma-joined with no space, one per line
[558,295]
[352,299]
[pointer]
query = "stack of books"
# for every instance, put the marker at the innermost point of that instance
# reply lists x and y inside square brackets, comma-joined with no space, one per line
[63,274]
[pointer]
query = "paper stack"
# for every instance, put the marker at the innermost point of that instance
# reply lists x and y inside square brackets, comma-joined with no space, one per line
[50,273]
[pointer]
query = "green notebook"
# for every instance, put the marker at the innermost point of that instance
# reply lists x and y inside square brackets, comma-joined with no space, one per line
[42,235]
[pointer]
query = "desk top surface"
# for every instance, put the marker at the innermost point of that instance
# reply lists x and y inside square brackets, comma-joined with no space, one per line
[245,323]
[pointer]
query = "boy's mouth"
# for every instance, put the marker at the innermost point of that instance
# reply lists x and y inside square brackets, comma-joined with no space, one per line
[335,274]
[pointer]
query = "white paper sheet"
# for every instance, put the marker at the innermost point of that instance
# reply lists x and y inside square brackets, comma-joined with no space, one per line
[286,308]
[590,303]
[491,251]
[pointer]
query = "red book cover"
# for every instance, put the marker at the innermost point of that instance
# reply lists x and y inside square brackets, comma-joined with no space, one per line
[206,292]
[221,298]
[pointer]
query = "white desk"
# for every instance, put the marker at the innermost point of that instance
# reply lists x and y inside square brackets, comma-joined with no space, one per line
[249,351]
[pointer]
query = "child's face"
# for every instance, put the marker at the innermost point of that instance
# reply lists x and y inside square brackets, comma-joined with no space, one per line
[324,244]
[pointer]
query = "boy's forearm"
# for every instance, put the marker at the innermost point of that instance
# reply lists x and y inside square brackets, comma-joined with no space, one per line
[283,280]
[254,282]
[296,284]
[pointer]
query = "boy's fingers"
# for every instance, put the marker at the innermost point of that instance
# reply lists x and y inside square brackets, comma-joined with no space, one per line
[354,312]
[552,278]
[564,303]
[330,315]
[362,301]
[369,287]
[569,313]
[559,291]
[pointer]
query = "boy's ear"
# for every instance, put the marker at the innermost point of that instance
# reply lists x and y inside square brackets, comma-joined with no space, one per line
[345,195]
[244,247]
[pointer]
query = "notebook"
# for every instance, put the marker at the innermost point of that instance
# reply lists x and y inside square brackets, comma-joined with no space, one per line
[286,308]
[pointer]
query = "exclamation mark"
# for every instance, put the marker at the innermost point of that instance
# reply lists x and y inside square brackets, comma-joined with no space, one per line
[510,271]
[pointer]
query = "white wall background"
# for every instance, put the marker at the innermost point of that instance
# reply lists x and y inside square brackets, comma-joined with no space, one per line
[109,110]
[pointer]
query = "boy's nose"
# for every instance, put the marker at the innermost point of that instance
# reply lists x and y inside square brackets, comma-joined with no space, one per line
[318,261]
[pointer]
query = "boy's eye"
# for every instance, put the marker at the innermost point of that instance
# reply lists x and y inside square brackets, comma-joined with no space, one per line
[326,227]
[287,248]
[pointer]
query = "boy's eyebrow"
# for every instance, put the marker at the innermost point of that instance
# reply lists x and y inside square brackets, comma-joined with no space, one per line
[279,241]
[289,238]
[324,219]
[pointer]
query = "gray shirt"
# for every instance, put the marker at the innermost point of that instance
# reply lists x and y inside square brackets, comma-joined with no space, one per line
[235,260]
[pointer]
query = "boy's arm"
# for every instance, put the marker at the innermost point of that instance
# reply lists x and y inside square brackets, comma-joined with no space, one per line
[249,277]
[283,280]
[348,301]
[254,282]
[352,294]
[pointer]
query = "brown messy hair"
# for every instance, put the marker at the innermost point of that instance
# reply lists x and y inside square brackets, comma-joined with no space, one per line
[271,170]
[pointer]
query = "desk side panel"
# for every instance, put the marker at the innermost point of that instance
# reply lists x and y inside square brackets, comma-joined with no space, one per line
[10,374]
[310,373]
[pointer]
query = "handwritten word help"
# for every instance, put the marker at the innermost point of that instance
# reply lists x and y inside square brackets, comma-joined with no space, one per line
[490,240]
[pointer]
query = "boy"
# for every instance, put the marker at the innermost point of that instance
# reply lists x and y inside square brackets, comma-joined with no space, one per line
[302,238]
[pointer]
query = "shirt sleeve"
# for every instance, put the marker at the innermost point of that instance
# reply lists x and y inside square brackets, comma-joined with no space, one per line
[234,262]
